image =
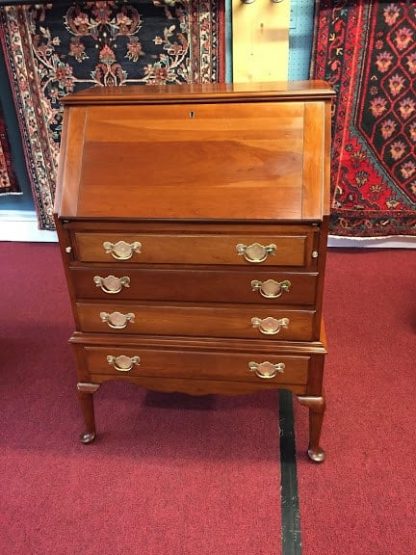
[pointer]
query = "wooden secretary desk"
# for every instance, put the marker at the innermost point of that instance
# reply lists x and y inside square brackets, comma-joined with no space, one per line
[193,226]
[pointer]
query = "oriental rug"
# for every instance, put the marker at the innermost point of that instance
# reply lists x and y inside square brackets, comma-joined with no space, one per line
[367,52]
[55,49]
[8,183]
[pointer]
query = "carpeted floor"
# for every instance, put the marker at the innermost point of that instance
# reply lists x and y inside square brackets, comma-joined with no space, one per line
[169,474]
[177,475]
[362,500]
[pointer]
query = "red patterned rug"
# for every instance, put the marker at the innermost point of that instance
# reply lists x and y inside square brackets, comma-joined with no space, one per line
[8,183]
[58,48]
[367,51]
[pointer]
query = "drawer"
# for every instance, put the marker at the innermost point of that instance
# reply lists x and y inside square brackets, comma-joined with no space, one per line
[199,321]
[274,250]
[245,285]
[195,364]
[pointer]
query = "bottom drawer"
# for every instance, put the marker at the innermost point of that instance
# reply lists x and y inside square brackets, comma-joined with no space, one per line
[196,364]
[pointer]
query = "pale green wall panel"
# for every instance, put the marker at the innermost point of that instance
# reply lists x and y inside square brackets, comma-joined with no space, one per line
[300,38]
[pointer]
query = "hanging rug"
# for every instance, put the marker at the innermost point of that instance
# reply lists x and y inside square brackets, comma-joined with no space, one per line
[367,52]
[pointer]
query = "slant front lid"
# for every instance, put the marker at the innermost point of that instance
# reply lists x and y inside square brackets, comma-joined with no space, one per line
[207,159]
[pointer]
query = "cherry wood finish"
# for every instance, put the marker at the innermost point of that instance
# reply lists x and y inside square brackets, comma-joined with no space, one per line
[193,283]
[195,364]
[192,221]
[197,386]
[316,407]
[193,249]
[205,93]
[85,393]
[219,320]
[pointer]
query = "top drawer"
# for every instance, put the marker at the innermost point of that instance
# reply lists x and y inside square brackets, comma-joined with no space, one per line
[270,250]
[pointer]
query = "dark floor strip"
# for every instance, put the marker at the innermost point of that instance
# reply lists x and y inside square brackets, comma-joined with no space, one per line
[291,534]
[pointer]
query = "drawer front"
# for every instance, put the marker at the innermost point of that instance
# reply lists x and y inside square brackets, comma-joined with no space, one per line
[274,250]
[195,285]
[246,367]
[188,320]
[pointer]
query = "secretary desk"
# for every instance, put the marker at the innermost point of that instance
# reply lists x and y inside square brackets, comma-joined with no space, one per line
[192,221]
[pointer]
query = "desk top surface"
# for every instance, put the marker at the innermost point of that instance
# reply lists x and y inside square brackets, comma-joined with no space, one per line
[205,92]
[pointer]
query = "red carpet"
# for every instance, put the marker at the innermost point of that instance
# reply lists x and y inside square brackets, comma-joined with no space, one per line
[169,474]
[197,476]
[362,500]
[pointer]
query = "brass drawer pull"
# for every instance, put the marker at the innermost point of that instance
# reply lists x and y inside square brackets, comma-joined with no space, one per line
[267,370]
[271,289]
[111,284]
[123,363]
[255,252]
[269,325]
[122,250]
[117,320]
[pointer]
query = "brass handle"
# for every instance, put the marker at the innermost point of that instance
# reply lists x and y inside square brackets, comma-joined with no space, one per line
[255,252]
[117,320]
[271,289]
[269,325]
[267,370]
[111,284]
[123,363]
[170,3]
[122,250]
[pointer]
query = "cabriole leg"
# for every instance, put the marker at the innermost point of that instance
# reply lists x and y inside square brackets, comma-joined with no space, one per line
[316,407]
[85,395]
